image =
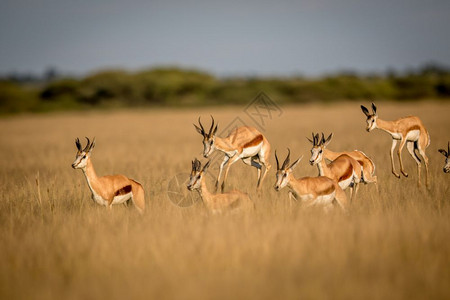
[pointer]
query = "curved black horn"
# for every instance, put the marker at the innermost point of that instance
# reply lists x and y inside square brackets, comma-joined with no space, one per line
[201,126]
[276,158]
[88,144]
[212,126]
[287,160]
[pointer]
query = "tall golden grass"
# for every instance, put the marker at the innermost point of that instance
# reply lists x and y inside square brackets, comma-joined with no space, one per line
[55,243]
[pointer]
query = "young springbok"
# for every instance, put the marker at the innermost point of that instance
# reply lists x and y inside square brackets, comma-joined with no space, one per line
[245,143]
[310,190]
[409,130]
[217,203]
[447,160]
[110,189]
[367,165]
[344,170]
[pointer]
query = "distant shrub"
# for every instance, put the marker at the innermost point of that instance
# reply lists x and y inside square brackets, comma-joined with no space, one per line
[180,87]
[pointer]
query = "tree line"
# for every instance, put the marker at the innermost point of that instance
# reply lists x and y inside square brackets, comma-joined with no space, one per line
[183,87]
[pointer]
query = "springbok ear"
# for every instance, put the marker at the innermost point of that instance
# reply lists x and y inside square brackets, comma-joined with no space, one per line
[206,166]
[78,144]
[328,140]
[215,130]
[365,110]
[296,163]
[374,109]
[92,145]
[199,130]
[443,152]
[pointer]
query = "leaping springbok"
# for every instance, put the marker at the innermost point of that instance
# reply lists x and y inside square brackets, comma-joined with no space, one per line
[367,165]
[245,143]
[217,203]
[344,169]
[409,130]
[447,160]
[110,189]
[310,190]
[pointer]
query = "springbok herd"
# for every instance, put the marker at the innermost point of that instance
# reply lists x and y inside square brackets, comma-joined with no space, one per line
[345,169]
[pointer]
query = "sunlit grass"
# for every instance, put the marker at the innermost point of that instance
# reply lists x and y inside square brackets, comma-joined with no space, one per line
[394,244]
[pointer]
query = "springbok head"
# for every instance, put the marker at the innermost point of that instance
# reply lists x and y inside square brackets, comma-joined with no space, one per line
[371,117]
[318,144]
[447,160]
[208,138]
[83,154]
[195,179]
[284,171]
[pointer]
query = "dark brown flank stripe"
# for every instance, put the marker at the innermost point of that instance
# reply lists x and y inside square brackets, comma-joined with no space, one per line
[123,191]
[414,127]
[327,191]
[254,142]
[347,174]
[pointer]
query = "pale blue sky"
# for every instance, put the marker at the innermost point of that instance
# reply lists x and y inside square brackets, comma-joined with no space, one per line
[223,37]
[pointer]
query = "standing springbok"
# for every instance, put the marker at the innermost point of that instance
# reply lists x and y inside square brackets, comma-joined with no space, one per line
[110,189]
[310,190]
[409,130]
[245,143]
[367,165]
[344,170]
[447,160]
[217,203]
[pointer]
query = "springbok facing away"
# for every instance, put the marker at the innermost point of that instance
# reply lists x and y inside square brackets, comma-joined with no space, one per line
[409,130]
[447,160]
[310,190]
[217,203]
[367,165]
[344,170]
[110,189]
[245,143]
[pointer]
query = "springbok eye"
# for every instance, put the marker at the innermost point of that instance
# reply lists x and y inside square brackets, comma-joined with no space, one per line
[320,151]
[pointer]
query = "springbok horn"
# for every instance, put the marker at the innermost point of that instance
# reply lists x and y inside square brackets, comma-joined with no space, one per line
[212,126]
[276,158]
[87,146]
[287,160]
[201,126]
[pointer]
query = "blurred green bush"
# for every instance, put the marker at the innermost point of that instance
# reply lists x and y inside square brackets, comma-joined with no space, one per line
[181,87]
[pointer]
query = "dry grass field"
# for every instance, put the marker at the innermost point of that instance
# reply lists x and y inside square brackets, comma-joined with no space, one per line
[55,243]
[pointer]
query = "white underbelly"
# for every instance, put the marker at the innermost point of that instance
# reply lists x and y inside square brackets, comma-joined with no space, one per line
[122,198]
[396,136]
[251,151]
[346,182]
[413,135]
[320,200]
[98,199]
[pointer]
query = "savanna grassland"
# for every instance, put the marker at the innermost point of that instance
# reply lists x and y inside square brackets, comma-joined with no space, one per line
[55,243]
